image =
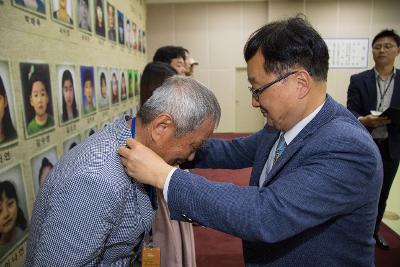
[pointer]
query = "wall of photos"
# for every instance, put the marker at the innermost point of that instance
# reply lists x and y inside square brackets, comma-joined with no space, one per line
[67,69]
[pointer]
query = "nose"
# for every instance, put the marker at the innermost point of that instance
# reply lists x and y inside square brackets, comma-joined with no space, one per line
[254,102]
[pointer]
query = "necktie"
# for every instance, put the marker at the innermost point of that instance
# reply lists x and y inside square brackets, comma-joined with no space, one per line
[280,147]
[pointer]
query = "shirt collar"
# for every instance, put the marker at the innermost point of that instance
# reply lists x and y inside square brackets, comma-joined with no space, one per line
[292,133]
[378,76]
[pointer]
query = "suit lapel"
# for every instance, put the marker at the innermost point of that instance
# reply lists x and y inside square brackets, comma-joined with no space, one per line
[324,116]
[370,83]
[395,102]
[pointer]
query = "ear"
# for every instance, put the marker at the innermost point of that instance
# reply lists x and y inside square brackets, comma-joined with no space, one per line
[303,83]
[162,127]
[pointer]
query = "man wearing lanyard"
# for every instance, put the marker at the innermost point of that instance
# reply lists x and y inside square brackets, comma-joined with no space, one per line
[89,212]
[378,89]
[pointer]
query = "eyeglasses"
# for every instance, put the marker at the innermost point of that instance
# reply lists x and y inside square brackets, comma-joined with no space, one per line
[257,92]
[386,46]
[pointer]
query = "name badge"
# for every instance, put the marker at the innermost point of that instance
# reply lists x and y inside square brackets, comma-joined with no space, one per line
[151,257]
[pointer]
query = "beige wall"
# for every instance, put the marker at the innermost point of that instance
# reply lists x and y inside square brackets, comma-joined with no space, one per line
[216,32]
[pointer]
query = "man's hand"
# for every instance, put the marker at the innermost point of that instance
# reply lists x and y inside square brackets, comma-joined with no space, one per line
[373,121]
[143,164]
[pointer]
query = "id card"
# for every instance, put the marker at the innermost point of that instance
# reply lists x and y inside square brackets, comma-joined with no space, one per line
[151,257]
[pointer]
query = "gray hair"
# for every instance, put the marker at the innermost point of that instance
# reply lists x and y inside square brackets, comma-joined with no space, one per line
[188,101]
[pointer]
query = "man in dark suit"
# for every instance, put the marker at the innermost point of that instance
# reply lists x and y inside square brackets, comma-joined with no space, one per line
[316,175]
[378,89]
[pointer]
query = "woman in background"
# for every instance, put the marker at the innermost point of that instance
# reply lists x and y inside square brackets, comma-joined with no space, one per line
[69,108]
[7,130]
[12,219]
[175,238]
[39,100]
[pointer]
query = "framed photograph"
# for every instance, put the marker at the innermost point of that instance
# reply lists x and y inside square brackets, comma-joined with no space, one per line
[128,33]
[140,40]
[123,89]
[13,201]
[134,36]
[131,86]
[88,90]
[112,31]
[90,131]
[8,129]
[99,23]
[103,98]
[136,81]
[37,7]
[114,86]
[71,143]
[66,88]
[61,11]
[121,31]
[41,165]
[37,98]
[83,15]
[143,42]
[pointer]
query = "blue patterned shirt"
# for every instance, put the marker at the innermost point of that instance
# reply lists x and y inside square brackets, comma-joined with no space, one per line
[89,212]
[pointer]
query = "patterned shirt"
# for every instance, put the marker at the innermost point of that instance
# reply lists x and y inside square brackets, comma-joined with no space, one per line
[89,212]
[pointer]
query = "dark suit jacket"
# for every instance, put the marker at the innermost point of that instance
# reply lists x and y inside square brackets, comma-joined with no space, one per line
[362,98]
[317,206]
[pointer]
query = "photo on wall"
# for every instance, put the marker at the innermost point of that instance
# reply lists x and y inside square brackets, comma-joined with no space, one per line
[112,32]
[99,23]
[143,42]
[61,11]
[13,201]
[67,90]
[136,81]
[104,89]
[121,31]
[88,90]
[128,33]
[134,36]
[8,129]
[37,7]
[131,86]
[124,90]
[83,15]
[41,165]
[37,98]
[114,84]
[71,143]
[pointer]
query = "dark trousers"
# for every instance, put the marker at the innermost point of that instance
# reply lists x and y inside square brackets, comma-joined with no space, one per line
[390,167]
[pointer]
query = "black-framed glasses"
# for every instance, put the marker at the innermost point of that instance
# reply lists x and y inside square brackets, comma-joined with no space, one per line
[258,91]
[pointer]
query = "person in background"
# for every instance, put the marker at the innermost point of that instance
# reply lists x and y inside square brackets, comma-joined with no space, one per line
[174,238]
[189,63]
[316,175]
[7,129]
[173,55]
[39,100]
[69,108]
[89,212]
[12,218]
[378,89]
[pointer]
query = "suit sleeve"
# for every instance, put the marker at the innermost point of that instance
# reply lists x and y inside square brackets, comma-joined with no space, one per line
[330,181]
[78,222]
[226,154]
[354,101]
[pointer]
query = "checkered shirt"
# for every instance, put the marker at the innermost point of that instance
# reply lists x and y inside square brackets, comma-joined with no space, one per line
[89,212]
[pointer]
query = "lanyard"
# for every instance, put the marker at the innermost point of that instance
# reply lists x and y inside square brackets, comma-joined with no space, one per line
[382,95]
[149,189]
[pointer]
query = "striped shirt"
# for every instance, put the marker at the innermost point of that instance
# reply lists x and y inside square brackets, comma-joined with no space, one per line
[89,212]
